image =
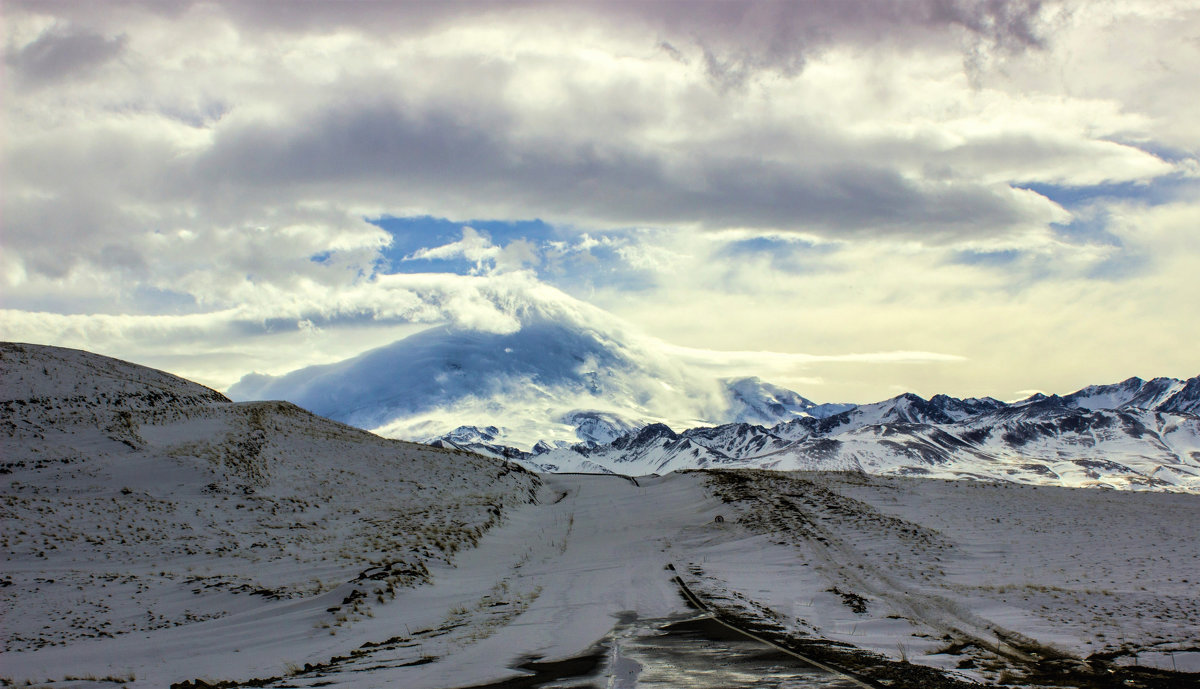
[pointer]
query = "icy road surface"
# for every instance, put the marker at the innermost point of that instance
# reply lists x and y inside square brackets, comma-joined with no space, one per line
[584,573]
[969,578]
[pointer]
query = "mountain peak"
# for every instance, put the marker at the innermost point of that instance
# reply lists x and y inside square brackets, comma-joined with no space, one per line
[647,435]
[754,400]
[565,380]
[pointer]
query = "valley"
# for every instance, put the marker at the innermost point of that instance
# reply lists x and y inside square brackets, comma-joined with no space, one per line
[157,534]
[529,344]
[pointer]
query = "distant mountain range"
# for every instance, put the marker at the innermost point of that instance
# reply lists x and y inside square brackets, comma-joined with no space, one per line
[556,396]
[1133,434]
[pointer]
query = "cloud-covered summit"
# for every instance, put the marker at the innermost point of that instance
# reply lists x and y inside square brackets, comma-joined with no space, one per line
[542,358]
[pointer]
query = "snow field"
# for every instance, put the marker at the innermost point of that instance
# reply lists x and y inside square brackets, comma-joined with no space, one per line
[977,578]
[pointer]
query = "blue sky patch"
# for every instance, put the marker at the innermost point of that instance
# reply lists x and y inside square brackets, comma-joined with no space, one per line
[1123,266]
[425,232]
[564,264]
[1087,228]
[164,301]
[1153,193]
[998,258]
[600,267]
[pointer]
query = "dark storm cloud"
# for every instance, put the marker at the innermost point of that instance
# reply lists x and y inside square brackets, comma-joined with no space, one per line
[463,147]
[735,39]
[436,155]
[61,54]
[740,39]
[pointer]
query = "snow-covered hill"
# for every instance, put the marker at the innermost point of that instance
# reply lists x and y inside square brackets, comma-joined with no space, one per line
[137,502]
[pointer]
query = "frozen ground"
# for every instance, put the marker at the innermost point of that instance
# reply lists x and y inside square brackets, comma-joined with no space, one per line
[903,568]
[154,532]
[988,580]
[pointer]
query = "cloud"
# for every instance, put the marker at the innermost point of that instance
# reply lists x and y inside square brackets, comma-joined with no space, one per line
[474,246]
[488,258]
[827,177]
[62,53]
[1053,313]
[452,163]
[785,366]
[500,303]
[458,129]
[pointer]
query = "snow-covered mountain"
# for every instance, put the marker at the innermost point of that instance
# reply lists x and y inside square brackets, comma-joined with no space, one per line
[570,392]
[1042,440]
[554,380]
[1159,394]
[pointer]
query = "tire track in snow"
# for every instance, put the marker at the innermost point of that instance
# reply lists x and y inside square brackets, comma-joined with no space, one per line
[691,598]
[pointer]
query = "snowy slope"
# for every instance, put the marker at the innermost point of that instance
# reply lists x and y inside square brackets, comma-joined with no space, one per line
[988,583]
[999,582]
[1168,394]
[137,502]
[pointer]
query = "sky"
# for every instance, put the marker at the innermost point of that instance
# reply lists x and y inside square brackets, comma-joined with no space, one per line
[850,198]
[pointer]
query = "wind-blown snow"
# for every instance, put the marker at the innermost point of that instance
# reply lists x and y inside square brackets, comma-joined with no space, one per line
[540,357]
[530,383]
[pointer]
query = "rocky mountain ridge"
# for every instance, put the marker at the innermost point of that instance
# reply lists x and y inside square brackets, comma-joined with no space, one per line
[1070,440]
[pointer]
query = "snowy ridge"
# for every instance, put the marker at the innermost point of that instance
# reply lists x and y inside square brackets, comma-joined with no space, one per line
[1160,394]
[1043,440]
[172,506]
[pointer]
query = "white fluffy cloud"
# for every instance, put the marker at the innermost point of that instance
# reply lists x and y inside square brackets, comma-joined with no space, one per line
[981,180]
